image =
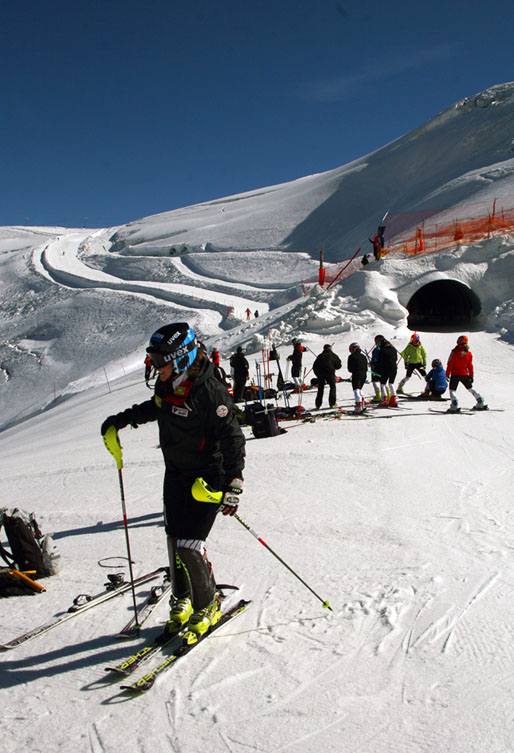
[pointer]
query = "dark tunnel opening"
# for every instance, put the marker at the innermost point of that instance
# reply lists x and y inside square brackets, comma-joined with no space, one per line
[443,304]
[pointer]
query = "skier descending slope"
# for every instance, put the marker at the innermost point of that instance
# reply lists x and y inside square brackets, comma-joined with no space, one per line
[460,370]
[199,436]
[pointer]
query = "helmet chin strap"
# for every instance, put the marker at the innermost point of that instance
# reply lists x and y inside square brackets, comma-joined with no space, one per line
[177,381]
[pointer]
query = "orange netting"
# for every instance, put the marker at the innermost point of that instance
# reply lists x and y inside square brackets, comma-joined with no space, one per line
[471,226]
[425,231]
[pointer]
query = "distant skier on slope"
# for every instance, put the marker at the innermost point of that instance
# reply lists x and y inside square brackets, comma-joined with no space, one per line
[296,362]
[460,370]
[199,437]
[148,368]
[240,370]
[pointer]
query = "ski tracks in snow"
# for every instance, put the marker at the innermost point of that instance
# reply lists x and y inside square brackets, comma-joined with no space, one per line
[442,629]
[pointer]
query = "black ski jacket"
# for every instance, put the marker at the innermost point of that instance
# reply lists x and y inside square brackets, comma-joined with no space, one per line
[240,365]
[200,437]
[387,360]
[326,364]
[358,364]
[296,359]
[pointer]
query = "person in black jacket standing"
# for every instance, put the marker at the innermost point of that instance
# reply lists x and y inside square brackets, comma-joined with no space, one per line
[240,372]
[325,367]
[386,367]
[358,368]
[296,362]
[200,437]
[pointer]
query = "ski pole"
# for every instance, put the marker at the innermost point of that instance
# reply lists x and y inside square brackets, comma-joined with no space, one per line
[326,604]
[203,493]
[112,442]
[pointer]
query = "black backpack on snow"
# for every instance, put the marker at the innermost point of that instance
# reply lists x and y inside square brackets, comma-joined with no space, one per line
[30,550]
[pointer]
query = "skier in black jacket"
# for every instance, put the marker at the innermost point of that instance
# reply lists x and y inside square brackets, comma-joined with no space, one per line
[296,363]
[386,367]
[325,367]
[199,437]
[358,368]
[240,372]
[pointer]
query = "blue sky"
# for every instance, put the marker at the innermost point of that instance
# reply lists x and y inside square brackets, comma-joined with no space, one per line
[113,110]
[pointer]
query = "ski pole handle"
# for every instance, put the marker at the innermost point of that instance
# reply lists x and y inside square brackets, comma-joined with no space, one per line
[32,583]
[112,443]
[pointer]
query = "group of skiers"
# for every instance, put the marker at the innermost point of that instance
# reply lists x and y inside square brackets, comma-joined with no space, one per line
[383,364]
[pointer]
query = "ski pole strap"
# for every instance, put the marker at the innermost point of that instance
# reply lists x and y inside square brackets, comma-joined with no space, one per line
[112,443]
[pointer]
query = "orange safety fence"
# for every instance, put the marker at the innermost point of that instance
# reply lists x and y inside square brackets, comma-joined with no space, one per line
[332,273]
[427,231]
[428,235]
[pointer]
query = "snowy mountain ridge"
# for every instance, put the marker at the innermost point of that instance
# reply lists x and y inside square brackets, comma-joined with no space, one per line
[463,155]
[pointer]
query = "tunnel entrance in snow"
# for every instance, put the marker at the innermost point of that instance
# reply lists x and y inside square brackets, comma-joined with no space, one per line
[443,304]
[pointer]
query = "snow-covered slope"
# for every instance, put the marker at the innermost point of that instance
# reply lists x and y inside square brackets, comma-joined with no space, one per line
[464,154]
[403,521]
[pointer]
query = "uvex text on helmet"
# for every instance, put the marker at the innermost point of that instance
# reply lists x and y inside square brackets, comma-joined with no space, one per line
[173,343]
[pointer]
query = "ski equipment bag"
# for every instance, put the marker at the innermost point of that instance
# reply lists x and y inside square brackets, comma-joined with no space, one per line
[30,550]
[264,422]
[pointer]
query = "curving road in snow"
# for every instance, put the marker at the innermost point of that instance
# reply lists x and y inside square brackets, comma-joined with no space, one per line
[59,262]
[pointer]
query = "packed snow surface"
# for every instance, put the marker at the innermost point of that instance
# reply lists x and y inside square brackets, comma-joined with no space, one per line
[402,521]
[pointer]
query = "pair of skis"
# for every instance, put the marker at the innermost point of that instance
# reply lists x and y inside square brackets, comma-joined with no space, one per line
[168,651]
[83,603]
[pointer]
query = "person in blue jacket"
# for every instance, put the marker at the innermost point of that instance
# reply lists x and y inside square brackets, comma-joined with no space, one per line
[437,384]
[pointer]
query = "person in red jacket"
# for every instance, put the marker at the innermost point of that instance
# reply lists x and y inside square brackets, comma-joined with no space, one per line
[148,369]
[460,370]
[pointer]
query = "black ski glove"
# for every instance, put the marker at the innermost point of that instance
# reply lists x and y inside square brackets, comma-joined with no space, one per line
[119,421]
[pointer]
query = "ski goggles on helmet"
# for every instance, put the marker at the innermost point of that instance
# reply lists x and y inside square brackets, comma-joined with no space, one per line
[160,360]
[181,359]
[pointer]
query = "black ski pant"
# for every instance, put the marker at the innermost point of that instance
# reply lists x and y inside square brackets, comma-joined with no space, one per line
[239,386]
[188,523]
[331,381]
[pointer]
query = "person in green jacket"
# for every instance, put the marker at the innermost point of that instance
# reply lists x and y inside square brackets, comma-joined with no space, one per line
[415,357]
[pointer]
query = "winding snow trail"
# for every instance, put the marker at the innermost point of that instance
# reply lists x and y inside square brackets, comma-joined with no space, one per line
[59,263]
